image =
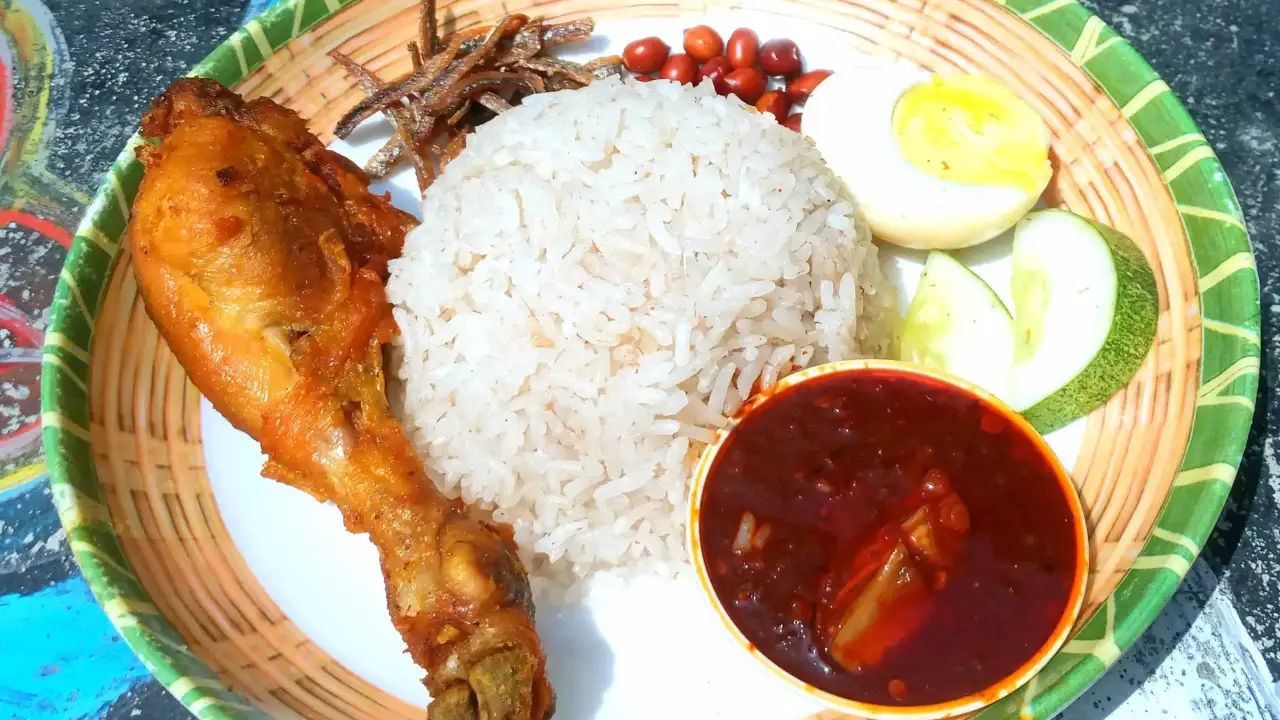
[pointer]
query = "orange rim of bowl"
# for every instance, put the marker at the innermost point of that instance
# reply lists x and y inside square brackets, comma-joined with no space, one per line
[960,706]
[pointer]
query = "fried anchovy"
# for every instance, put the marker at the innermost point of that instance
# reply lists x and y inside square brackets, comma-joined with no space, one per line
[525,44]
[494,102]
[442,95]
[402,118]
[415,55]
[603,67]
[422,149]
[603,61]
[415,103]
[416,82]
[367,81]
[562,82]
[553,66]
[474,37]
[535,81]
[410,128]
[484,81]
[428,36]
[457,115]
[386,158]
[421,164]
[572,31]
[561,34]
[440,100]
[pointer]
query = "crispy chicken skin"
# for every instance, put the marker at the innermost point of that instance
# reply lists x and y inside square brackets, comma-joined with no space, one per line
[261,256]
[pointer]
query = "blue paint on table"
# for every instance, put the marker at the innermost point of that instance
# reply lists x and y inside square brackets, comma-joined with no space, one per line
[256,7]
[59,655]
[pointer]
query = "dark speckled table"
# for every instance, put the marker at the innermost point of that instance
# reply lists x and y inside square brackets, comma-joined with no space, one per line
[74,77]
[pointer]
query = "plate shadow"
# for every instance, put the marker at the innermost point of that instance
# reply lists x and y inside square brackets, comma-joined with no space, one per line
[579,660]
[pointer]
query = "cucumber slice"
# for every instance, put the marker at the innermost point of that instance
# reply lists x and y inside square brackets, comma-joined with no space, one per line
[957,324]
[1086,303]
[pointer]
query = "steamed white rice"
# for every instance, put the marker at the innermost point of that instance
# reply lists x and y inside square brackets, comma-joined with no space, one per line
[599,279]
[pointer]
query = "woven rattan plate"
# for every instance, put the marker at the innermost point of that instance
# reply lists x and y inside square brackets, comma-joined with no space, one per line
[122,423]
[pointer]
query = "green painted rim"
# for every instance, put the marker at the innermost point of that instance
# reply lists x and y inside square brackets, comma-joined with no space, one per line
[1228,285]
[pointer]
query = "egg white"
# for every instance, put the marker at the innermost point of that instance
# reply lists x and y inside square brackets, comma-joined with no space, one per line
[850,118]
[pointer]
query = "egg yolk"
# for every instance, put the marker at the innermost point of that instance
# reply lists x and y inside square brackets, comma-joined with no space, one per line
[972,130]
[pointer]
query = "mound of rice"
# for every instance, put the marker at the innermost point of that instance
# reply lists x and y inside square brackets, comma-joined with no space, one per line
[599,279]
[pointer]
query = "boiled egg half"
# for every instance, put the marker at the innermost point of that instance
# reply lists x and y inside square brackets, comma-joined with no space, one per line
[934,162]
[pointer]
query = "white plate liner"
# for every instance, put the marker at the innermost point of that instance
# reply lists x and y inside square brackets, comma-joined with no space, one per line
[649,648]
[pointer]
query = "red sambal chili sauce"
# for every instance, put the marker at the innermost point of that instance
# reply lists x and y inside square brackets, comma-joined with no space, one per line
[888,538]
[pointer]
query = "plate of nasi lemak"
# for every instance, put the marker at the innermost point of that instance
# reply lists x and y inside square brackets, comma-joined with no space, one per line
[758,360]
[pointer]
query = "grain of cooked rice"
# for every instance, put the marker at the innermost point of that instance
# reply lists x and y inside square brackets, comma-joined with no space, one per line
[600,278]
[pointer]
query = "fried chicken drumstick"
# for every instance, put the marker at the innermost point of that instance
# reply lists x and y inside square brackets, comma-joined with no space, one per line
[262,258]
